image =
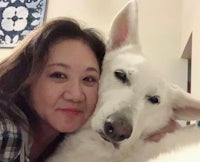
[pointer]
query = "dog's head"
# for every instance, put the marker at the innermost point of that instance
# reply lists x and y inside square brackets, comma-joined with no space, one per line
[134,100]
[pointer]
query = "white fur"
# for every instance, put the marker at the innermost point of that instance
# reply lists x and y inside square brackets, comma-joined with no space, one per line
[185,153]
[131,98]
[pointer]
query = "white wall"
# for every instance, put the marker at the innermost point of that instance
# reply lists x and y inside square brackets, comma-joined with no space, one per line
[160,28]
[93,13]
[161,36]
[191,23]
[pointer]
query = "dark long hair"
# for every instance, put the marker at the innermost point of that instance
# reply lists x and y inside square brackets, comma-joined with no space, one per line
[31,55]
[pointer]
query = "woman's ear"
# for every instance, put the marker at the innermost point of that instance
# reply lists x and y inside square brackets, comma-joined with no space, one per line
[30,79]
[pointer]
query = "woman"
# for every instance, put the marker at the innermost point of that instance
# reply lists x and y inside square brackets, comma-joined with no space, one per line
[48,87]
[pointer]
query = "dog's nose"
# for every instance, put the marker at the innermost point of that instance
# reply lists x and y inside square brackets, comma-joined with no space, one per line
[117,128]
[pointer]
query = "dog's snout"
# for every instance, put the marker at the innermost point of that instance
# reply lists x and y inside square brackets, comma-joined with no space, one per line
[117,128]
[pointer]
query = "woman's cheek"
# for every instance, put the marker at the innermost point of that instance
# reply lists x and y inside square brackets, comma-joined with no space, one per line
[94,98]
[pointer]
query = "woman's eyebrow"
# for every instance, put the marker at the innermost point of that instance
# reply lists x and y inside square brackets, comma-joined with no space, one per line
[67,67]
[93,69]
[58,64]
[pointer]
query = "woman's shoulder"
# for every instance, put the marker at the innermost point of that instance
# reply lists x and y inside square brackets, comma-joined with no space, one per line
[11,133]
[7,125]
[10,138]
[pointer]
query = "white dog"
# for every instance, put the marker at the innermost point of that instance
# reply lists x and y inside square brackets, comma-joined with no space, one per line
[134,102]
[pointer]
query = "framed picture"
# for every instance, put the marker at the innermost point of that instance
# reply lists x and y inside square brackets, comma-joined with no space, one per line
[18,18]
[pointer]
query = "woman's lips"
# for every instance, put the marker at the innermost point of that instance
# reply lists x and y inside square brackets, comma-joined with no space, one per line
[70,111]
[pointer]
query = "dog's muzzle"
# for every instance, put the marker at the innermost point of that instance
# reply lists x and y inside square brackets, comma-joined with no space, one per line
[116,128]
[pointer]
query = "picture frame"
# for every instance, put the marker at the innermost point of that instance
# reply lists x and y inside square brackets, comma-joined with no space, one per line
[18,18]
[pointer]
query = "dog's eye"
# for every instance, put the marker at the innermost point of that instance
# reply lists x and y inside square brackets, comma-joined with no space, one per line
[121,75]
[154,99]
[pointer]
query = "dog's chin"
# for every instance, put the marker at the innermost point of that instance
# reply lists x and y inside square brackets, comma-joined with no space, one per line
[115,144]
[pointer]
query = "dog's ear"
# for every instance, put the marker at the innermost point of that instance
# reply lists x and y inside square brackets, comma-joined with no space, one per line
[124,29]
[185,107]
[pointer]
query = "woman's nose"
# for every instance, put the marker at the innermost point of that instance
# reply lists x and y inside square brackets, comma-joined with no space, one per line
[74,92]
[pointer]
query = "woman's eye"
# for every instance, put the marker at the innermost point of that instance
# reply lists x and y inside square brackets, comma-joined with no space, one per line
[58,75]
[90,80]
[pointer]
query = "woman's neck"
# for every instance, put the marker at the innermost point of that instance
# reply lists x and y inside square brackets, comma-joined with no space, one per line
[43,135]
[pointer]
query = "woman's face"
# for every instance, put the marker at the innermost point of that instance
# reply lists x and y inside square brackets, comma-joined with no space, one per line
[64,95]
